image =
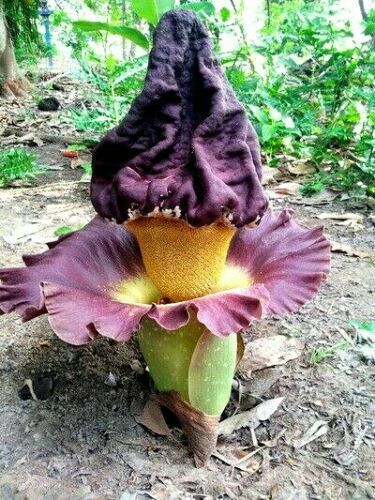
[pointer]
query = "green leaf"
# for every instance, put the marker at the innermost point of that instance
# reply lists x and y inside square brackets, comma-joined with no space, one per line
[140,65]
[257,112]
[211,372]
[370,23]
[319,355]
[86,176]
[131,34]
[275,114]
[17,164]
[368,326]
[225,14]
[152,10]
[267,131]
[77,147]
[63,230]
[288,122]
[199,7]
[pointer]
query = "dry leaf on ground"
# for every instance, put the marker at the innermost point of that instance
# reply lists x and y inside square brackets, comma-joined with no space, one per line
[288,188]
[152,418]
[240,459]
[272,195]
[31,138]
[344,216]
[272,443]
[270,175]
[251,418]
[259,382]
[351,220]
[318,429]
[300,167]
[270,351]
[348,250]
[367,353]
[322,198]
[76,162]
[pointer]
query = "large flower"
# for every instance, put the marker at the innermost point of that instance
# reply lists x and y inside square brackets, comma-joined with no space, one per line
[93,281]
[182,174]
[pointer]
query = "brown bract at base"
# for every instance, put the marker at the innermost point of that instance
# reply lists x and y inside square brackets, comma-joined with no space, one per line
[200,429]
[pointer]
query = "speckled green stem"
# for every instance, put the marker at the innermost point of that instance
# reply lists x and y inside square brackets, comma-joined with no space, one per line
[191,361]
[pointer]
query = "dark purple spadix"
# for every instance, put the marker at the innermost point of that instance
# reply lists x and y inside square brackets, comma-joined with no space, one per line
[186,141]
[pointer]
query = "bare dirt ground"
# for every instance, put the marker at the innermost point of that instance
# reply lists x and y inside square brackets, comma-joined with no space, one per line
[83,441]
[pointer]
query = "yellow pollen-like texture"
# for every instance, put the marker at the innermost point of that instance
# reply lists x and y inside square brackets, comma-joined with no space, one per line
[183,262]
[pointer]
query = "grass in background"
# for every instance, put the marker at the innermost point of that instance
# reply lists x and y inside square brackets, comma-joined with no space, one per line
[63,230]
[17,164]
[319,355]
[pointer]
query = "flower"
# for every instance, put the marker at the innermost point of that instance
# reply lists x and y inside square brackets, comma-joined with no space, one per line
[181,176]
[93,281]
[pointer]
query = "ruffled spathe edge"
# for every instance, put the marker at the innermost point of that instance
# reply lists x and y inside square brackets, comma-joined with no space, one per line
[70,281]
[289,259]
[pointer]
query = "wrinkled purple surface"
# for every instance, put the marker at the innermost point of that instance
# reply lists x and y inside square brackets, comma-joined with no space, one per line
[186,140]
[71,281]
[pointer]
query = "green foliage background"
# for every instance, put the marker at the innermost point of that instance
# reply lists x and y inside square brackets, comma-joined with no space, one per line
[307,85]
[315,101]
[21,17]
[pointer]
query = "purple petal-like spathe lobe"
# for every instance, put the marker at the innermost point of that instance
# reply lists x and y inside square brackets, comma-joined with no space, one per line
[233,310]
[20,291]
[111,252]
[290,260]
[222,313]
[77,316]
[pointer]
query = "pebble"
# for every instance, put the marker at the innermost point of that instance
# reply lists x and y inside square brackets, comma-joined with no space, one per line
[48,104]
[111,380]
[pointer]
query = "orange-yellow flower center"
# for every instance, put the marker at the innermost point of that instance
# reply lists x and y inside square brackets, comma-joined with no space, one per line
[183,262]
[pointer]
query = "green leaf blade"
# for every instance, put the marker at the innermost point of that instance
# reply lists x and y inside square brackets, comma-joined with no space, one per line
[152,10]
[206,8]
[131,34]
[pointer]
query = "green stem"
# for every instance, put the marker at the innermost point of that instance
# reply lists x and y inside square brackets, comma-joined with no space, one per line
[191,361]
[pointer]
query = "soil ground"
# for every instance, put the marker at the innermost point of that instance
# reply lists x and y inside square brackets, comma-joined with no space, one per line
[83,441]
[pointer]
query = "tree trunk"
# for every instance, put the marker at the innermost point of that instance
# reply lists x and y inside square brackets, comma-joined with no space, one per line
[365,17]
[12,83]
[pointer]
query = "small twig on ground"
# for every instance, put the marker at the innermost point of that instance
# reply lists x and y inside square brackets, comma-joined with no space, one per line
[53,79]
[238,464]
[345,335]
[249,455]
[55,139]
[46,186]
[253,437]
[364,394]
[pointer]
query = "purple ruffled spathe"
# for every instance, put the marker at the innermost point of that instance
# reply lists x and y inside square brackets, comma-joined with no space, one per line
[72,281]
